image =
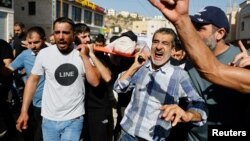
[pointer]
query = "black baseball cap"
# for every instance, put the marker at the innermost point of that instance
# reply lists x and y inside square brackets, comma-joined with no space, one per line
[211,15]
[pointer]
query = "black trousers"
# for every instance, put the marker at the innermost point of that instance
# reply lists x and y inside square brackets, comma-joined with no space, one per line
[7,121]
[98,125]
[37,122]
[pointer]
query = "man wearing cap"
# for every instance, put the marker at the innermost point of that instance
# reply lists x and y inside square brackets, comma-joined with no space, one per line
[224,104]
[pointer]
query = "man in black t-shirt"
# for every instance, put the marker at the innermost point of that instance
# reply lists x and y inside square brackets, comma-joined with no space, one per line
[19,36]
[18,46]
[6,57]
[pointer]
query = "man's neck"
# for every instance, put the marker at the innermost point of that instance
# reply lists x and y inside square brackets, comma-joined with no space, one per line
[220,48]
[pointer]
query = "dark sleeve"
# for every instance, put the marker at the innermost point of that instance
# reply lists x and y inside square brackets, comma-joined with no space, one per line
[6,50]
[5,53]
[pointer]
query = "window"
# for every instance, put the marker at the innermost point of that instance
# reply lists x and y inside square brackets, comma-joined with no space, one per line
[98,19]
[65,9]
[32,8]
[6,3]
[242,26]
[57,9]
[76,14]
[87,17]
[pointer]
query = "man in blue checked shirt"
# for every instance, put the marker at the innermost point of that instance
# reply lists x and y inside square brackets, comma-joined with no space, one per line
[35,42]
[157,87]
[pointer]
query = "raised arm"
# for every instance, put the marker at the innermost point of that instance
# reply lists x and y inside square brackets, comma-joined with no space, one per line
[134,67]
[104,71]
[209,67]
[92,74]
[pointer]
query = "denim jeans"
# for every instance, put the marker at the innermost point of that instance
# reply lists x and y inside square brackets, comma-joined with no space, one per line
[69,130]
[126,137]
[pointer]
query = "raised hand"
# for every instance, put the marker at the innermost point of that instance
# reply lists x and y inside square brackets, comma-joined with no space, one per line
[84,49]
[172,9]
[242,59]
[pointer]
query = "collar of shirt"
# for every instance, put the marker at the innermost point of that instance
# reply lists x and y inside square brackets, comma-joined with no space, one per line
[33,53]
[163,68]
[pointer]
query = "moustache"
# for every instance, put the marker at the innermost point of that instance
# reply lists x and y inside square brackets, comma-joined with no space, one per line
[62,42]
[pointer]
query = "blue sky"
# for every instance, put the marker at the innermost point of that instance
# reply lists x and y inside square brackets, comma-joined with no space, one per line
[143,7]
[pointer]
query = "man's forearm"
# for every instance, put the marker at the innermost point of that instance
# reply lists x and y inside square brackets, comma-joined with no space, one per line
[29,91]
[130,72]
[104,71]
[92,74]
[193,115]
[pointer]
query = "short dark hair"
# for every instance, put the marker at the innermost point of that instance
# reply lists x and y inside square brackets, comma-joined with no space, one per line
[81,27]
[39,30]
[113,38]
[64,20]
[169,31]
[20,24]
[100,38]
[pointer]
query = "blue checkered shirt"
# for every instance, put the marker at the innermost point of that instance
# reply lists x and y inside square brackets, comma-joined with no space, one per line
[152,89]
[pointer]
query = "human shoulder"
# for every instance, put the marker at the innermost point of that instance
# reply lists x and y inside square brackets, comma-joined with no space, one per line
[48,50]
[5,47]
[26,52]
[181,72]
[5,50]
[4,43]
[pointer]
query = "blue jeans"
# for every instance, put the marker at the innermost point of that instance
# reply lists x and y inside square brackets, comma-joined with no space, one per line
[127,137]
[69,130]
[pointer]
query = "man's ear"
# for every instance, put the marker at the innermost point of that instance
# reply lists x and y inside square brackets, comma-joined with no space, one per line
[184,53]
[172,51]
[220,33]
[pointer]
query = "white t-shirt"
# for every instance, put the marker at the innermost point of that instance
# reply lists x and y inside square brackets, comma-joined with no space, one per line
[64,91]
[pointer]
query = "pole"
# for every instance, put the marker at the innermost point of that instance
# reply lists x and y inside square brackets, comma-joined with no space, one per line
[61,8]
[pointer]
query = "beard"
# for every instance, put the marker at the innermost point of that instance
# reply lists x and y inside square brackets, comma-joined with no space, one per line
[159,63]
[65,49]
[211,42]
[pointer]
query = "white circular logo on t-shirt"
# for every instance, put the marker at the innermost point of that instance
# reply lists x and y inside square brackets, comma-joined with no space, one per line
[66,74]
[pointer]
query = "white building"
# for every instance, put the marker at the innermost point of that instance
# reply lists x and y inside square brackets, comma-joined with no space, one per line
[148,27]
[6,19]
[111,12]
[133,15]
[124,13]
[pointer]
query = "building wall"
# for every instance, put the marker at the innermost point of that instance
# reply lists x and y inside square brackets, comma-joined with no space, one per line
[140,27]
[148,27]
[232,20]
[10,28]
[6,23]
[243,22]
[43,17]
[156,24]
